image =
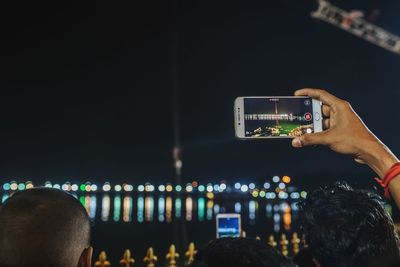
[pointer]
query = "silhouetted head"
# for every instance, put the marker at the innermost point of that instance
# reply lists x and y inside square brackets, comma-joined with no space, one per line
[347,227]
[44,227]
[240,252]
[304,259]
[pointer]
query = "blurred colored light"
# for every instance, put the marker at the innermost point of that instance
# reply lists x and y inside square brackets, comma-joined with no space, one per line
[82,187]
[74,187]
[57,186]
[117,188]
[283,195]
[14,186]
[64,187]
[106,187]
[128,187]
[189,188]
[201,188]
[267,185]
[294,195]
[216,187]
[209,188]
[275,179]
[140,188]
[210,195]
[93,187]
[21,186]
[222,187]
[195,183]
[88,188]
[262,194]
[244,188]
[286,179]
[303,194]
[161,188]
[255,194]
[169,188]
[6,186]
[178,188]
[237,186]
[149,188]
[48,184]
[252,186]
[281,185]
[29,186]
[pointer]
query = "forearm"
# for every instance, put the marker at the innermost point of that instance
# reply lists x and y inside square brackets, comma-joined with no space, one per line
[380,159]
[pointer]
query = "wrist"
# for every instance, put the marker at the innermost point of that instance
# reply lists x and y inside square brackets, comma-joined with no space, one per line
[378,157]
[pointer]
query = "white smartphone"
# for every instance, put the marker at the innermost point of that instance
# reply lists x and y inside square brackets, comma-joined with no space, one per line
[228,225]
[276,116]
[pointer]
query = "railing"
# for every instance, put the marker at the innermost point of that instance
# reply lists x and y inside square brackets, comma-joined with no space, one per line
[172,258]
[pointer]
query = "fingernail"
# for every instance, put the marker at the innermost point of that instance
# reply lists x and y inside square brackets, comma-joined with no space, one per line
[296,142]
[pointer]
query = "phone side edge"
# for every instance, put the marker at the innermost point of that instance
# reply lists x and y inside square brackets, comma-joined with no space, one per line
[239,118]
[317,110]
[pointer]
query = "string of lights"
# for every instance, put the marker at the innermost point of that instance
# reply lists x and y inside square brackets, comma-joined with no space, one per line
[277,188]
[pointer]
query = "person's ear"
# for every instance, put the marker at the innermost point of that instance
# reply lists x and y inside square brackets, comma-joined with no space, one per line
[86,257]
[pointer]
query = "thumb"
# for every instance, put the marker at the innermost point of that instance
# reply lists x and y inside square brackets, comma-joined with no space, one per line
[320,138]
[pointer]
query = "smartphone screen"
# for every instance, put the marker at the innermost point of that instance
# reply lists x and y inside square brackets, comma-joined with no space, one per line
[278,117]
[228,225]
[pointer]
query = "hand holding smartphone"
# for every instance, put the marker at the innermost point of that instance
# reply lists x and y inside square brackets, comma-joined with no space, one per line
[272,117]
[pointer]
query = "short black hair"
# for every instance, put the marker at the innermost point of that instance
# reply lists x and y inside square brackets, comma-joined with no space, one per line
[43,227]
[240,252]
[347,227]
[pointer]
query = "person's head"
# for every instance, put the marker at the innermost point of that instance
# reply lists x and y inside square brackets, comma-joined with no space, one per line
[239,252]
[304,258]
[347,227]
[44,227]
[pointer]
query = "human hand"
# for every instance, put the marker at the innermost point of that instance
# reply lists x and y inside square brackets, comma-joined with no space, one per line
[345,133]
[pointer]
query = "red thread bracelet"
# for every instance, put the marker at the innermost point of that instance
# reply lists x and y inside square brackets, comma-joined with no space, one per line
[392,173]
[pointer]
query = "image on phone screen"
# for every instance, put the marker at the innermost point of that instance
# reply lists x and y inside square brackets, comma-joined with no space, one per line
[278,117]
[228,227]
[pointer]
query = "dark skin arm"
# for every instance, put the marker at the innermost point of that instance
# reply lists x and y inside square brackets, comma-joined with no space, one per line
[346,133]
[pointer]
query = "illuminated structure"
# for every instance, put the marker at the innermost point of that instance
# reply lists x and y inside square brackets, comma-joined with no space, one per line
[352,22]
[273,117]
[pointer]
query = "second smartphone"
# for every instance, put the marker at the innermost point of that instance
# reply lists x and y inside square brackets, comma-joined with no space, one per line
[276,116]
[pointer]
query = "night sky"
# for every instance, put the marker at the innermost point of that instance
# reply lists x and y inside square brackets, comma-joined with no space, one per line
[86,90]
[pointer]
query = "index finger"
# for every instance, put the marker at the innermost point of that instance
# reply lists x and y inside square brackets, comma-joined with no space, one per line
[322,95]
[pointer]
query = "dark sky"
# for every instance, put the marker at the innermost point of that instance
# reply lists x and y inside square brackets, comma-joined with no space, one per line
[86,91]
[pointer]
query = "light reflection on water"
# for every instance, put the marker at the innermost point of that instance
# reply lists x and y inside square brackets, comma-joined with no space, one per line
[201,208]
[140,209]
[178,207]
[149,208]
[161,208]
[117,208]
[127,213]
[210,205]
[105,210]
[189,209]
[169,209]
